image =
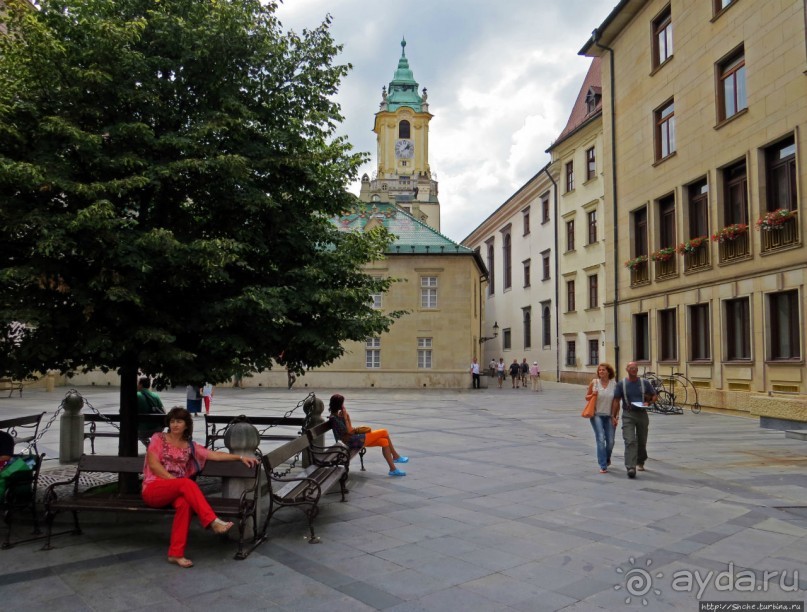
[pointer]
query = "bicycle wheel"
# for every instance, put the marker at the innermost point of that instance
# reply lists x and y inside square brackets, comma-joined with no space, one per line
[696,408]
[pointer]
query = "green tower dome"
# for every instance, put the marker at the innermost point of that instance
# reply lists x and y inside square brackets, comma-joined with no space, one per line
[403,89]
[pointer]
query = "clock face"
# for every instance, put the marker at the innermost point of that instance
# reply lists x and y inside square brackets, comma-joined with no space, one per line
[404,149]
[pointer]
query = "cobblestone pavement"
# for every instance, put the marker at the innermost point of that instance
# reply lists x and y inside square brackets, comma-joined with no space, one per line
[503,508]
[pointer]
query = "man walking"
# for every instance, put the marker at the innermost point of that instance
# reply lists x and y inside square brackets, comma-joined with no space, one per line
[525,371]
[475,374]
[634,394]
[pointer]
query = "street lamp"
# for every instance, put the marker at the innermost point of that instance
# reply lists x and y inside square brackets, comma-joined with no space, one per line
[484,339]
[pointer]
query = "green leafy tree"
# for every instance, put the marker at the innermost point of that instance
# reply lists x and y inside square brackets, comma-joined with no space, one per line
[169,176]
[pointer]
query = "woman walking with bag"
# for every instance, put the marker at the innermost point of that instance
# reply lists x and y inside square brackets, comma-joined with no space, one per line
[602,422]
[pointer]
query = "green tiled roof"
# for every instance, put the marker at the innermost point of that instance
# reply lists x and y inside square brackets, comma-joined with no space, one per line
[411,235]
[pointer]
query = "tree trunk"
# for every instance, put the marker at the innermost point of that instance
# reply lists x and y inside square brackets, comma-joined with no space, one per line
[127,443]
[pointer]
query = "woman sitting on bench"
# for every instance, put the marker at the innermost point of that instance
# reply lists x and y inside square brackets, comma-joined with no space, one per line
[172,461]
[344,431]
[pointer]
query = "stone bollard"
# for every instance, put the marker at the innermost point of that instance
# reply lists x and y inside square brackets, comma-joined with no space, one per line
[242,439]
[71,428]
[313,408]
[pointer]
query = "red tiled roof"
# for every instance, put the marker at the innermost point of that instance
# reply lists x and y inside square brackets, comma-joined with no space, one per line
[580,113]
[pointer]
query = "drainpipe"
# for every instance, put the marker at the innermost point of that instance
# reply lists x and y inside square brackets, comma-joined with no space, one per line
[595,35]
[557,278]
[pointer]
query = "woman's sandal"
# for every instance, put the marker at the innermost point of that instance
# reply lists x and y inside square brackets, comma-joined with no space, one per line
[219,527]
[181,562]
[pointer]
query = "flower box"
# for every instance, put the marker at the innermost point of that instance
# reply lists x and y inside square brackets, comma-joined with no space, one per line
[775,219]
[636,262]
[730,232]
[665,254]
[692,245]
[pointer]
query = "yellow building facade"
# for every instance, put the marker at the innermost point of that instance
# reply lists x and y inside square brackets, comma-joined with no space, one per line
[704,111]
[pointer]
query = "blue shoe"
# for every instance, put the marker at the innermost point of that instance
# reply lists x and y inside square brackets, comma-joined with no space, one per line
[397,472]
[401,460]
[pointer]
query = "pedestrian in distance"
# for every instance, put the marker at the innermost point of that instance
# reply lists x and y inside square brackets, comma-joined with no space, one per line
[535,377]
[603,423]
[193,399]
[633,395]
[501,371]
[148,402]
[207,396]
[475,374]
[515,373]
[525,372]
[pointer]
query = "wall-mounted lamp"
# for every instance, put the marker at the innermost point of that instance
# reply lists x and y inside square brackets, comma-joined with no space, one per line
[495,333]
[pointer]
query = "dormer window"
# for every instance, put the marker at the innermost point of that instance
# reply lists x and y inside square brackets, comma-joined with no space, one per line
[592,100]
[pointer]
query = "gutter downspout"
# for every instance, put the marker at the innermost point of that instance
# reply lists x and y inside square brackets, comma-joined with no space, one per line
[557,278]
[595,35]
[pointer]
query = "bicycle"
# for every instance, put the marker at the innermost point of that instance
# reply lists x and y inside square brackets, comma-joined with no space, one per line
[669,396]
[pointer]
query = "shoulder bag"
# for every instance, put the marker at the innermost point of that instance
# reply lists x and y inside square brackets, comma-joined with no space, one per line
[591,403]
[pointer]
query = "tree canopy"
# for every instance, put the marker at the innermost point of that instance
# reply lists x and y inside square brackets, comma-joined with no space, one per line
[169,175]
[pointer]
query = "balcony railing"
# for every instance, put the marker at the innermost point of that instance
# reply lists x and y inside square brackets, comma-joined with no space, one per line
[697,260]
[734,249]
[640,274]
[665,269]
[784,235]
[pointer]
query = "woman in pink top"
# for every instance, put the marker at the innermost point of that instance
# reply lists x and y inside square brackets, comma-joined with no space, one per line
[172,460]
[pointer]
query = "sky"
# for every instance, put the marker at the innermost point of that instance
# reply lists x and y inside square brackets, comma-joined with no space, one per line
[502,78]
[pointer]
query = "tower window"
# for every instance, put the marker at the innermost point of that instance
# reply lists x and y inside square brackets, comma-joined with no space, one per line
[404,129]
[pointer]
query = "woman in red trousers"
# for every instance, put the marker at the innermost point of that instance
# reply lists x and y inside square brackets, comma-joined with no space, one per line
[172,458]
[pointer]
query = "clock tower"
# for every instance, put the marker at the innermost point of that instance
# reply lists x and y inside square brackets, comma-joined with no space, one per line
[403,175]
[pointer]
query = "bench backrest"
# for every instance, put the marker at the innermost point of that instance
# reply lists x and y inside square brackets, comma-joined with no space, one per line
[229,469]
[111,463]
[283,453]
[219,419]
[319,430]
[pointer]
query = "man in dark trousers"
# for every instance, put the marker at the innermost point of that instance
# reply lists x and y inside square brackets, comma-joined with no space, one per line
[634,394]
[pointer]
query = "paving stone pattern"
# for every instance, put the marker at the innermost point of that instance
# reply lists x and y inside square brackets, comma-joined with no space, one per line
[503,508]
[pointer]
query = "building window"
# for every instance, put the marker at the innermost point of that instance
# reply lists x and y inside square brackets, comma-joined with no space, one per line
[546,325]
[404,129]
[507,339]
[641,337]
[732,96]
[372,352]
[666,210]
[593,352]
[545,209]
[570,296]
[662,37]
[591,164]
[698,209]
[570,176]
[780,168]
[545,266]
[424,353]
[375,298]
[699,333]
[527,273]
[527,322]
[571,358]
[735,205]
[665,130]
[593,291]
[783,319]
[570,235]
[428,292]
[491,273]
[668,335]
[640,232]
[720,5]
[507,262]
[591,217]
[526,217]
[738,329]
